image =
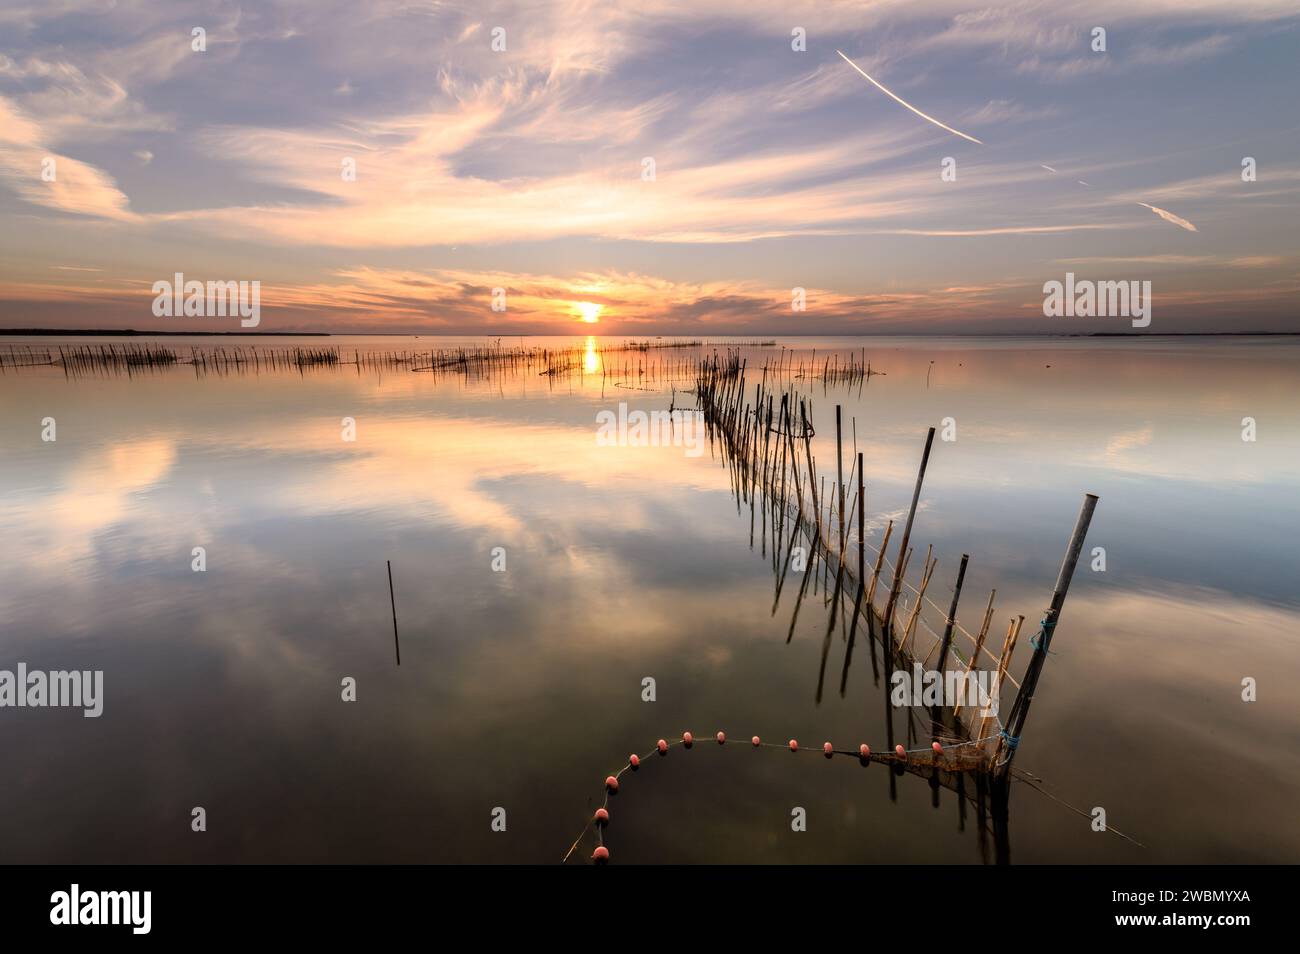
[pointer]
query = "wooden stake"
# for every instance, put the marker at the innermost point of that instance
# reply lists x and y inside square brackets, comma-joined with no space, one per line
[927,571]
[952,613]
[979,647]
[862,574]
[839,475]
[812,473]
[862,524]
[1004,660]
[880,559]
[393,604]
[902,544]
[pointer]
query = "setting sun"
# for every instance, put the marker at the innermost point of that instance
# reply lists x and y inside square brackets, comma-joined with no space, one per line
[590,311]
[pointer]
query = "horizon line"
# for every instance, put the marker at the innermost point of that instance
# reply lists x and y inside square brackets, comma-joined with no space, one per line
[133,332]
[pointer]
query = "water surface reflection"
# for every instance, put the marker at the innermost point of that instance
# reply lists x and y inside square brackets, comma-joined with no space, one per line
[522,689]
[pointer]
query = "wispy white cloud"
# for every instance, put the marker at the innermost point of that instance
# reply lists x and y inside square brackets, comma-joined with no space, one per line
[47,178]
[997,111]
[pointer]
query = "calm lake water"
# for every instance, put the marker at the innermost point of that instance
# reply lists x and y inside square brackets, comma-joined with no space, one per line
[523,689]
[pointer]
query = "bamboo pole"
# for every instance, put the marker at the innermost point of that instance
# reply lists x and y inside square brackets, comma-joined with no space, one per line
[979,646]
[927,571]
[880,559]
[901,570]
[1004,660]
[862,523]
[902,544]
[952,613]
[397,646]
[1020,708]
[812,473]
[839,475]
[862,575]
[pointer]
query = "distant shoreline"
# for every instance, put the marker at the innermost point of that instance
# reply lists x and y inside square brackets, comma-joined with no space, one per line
[132,333]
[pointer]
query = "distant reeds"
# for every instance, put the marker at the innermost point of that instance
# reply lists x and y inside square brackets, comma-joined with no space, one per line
[25,356]
[637,364]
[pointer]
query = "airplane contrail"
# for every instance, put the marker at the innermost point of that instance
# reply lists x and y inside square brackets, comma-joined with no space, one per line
[1170,217]
[1163,213]
[903,102]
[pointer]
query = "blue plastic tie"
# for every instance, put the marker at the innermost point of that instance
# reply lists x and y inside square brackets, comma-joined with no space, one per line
[1036,639]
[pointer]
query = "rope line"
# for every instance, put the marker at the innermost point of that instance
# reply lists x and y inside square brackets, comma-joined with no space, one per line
[1033,783]
[889,564]
[883,757]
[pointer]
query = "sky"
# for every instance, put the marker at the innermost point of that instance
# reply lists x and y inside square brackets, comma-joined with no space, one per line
[645,168]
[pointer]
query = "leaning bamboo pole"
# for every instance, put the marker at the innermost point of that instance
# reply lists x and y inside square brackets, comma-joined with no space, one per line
[880,559]
[896,586]
[1004,660]
[927,571]
[1015,723]
[979,646]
